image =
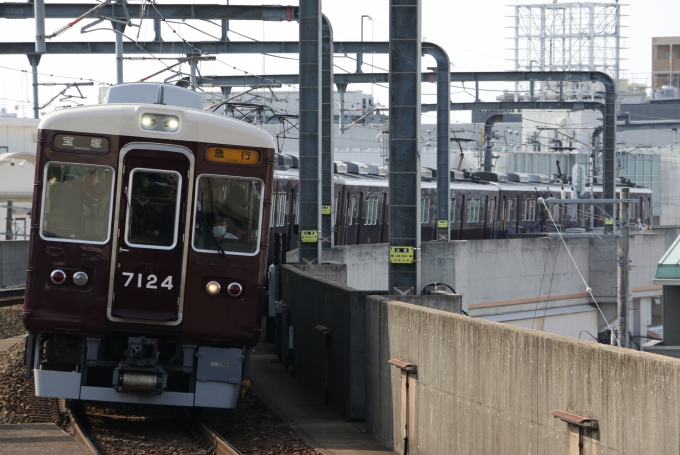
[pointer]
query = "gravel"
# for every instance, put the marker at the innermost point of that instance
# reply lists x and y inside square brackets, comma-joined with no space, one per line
[10,321]
[16,392]
[253,429]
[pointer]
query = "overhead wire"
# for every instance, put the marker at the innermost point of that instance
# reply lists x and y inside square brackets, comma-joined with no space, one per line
[589,290]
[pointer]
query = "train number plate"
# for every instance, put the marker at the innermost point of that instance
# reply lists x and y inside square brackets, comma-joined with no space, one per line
[401,255]
[309,236]
[148,282]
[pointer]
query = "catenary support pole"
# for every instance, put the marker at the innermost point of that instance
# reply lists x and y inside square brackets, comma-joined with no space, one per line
[8,221]
[488,145]
[327,151]
[157,35]
[404,153]
[40,48]
[623,267]
[310,128]
[443,139]
[342,88]
[192,72]
[119,51]
[34,59]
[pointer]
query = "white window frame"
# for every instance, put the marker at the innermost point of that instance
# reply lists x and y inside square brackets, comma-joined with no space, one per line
[129,209]
[44,196]
[261,212]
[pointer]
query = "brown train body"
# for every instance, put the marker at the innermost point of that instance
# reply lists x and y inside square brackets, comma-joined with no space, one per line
[148,254]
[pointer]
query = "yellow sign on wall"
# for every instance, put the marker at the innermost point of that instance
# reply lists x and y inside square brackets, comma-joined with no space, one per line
[232,155]
[309,236]
[401,255]
[442,224]
[325,209]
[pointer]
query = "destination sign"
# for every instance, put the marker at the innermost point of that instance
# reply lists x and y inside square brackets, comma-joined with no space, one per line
[77,143]
[233,155]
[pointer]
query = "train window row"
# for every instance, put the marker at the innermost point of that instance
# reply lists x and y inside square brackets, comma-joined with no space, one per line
[424,210]
[472,213]
[529,210]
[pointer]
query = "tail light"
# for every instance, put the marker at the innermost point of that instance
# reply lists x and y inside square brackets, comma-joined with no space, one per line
[234,289]
[57,276]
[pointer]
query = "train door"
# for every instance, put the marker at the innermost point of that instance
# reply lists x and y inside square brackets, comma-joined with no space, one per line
[150,246]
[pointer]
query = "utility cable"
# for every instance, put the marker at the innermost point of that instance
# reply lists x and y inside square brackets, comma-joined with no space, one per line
[589,290]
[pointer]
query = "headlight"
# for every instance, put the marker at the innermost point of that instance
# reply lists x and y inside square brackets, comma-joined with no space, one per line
[149,122]
[212,288]
[80,278]
[170,124]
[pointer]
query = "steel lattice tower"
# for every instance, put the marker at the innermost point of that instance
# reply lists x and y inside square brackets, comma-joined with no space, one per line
[567,37]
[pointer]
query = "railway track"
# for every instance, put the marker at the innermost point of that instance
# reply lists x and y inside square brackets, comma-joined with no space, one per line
[108,429]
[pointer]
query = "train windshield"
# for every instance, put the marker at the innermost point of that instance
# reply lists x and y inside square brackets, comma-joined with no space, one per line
[77,203]
[228,213]
[152,210]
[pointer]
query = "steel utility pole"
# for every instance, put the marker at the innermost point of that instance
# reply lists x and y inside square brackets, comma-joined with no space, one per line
[623,267]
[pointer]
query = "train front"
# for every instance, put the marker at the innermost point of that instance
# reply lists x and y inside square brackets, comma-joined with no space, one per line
[147,254]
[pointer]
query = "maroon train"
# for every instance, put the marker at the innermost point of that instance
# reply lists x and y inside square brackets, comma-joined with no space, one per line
[484,205]
[147,254]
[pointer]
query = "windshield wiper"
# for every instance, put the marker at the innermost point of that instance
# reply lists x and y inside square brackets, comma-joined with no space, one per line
[215,243]
[50,234]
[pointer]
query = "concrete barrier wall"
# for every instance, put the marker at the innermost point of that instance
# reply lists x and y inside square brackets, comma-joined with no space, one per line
[484,388]
[338,358]
[487,271]
[13,262]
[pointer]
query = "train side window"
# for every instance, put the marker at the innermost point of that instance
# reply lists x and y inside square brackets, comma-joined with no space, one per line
[77,201]
[453,210]
[230,216]
[491,211]
[525,209]
[296,209]
[381,214]
[424,210]
[272,211]
[351,211]
[336,208]
[511,209]
[532,209]
[281,209]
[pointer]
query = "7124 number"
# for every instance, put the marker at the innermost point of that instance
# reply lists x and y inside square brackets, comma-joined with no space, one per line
[151,281]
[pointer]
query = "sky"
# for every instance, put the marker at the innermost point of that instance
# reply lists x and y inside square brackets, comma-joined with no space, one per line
[475,34]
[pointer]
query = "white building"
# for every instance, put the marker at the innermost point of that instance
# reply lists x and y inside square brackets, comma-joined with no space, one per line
[18,137]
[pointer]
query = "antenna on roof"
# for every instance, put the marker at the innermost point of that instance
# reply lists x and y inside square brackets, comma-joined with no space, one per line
[159,100]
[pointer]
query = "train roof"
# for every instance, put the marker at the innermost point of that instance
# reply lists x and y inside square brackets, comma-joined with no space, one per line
[124,120]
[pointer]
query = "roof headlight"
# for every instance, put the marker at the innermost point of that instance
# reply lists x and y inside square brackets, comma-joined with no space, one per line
[212,288]
[171,123]
[149,122]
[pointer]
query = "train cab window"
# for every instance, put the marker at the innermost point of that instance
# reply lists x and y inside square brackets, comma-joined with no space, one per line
[153,208]
[77,201]
[228,213]
[453,210]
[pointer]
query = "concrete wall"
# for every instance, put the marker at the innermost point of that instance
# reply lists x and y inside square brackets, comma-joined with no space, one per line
[336,359]
[486,388]
[13,262]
